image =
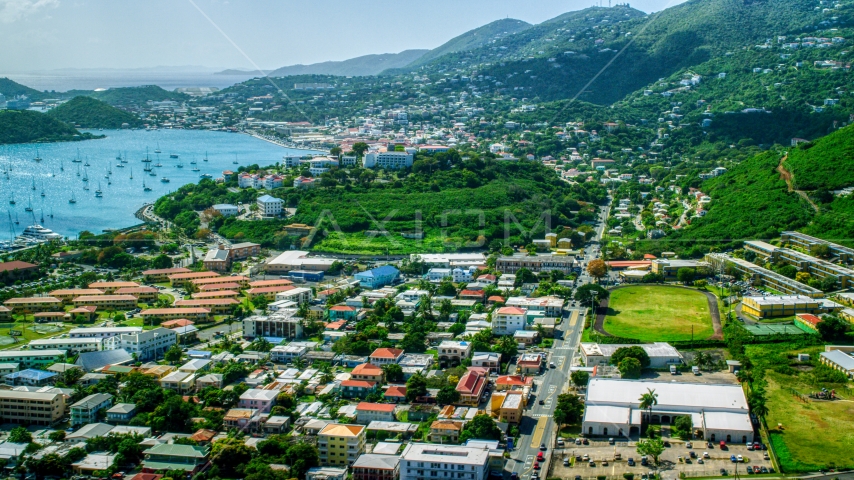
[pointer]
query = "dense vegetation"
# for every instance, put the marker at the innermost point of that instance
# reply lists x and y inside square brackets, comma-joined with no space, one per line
[90,113]
[457,203]
[25,126]
[364,65]
[10,89]
[135,96]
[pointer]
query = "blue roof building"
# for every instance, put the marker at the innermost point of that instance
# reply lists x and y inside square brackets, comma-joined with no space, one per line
[31,377]
[377,277]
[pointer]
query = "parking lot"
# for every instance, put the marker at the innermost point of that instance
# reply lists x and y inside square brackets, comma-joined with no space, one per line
[670,465]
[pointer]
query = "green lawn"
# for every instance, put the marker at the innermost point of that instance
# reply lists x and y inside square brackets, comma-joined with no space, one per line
[813,435]
[658,314]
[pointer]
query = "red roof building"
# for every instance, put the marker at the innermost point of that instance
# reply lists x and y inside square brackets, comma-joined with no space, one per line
[471,387]
[367,371]
[395,394]
[386,356]
[513,382]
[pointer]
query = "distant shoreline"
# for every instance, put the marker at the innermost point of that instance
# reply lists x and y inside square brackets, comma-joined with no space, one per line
[283,145]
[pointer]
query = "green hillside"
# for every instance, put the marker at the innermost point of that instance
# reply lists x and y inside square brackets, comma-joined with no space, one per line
[25,126]
[364,65]
[133,96]
[753,200]
[10,89]
[90,113]
[473,39]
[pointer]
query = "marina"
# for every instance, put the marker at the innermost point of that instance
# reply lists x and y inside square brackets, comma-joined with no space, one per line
[64,200]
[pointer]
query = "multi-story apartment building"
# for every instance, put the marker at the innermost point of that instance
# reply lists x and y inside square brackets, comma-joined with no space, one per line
[536,263]
[761,276]
[69,294]
[297,295]
[551,306]
[33,304]
[179,280]
[32,358]
[507,320]
[181,382]
[217,306]
[31,408]
[388,160]
[86,410]
[110,288]
[511,407]
[162,274]
[149,344]
[270,206]
[108,302]
[77,345]
[102,332]
[845,254]
[341,444]
[242,281]
[142,294]
[281,324]
[372,466]
[419,461]
[154,316]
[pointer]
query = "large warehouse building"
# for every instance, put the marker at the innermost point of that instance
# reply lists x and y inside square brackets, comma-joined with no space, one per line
[719,411]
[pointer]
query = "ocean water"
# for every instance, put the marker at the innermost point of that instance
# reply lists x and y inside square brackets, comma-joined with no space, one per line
[122,196]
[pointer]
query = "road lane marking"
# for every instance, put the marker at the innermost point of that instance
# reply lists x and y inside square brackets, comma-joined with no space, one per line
[539,430]
[574,318]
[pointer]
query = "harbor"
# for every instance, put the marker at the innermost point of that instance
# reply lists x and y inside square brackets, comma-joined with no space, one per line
[99,185]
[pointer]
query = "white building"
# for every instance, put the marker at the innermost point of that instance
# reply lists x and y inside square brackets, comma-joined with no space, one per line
[449,260]
[660,354]
[290,352]
[507,320]
[102,332]
[419,461]
[149,344]
[550,305]
[297,295]
[226,209]
[78,345]
[270,206]
[255,398]
[612,408]
[452,350]
[388,160]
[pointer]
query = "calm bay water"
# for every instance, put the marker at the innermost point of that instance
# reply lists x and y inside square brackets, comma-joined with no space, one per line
[122,196]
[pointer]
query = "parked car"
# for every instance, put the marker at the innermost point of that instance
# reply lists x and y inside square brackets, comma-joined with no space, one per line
[611,441]
[540,457]
[543,447]
[740,458]
[733,459]
[565,462]
[631,462]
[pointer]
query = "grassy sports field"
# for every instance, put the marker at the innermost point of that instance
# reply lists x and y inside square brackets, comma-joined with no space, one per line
[814,435]
[658,314]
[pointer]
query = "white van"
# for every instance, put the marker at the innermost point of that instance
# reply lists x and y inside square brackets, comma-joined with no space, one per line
[695,370]
[673,369]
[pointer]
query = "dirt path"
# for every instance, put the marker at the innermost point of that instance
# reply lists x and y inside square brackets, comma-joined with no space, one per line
[788,177]
[599,323]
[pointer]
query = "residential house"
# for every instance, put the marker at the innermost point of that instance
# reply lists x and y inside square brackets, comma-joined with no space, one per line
[395,394]
[452,352]
[358,388]
[378,277]
[367,372]
[446,431]
[386,356]
[367,412]
[121,413]
[181,382]
[88,409]
[529,363]
[471,387]
[489,360]
[373,466]
[270,206]
[170,456]
[261,400]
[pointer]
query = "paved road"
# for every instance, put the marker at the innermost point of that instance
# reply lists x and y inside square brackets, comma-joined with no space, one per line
[537,426]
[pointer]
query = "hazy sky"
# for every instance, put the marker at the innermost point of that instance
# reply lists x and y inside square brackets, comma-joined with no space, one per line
[48,34]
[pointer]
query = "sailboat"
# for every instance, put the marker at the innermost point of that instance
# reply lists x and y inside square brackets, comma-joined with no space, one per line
[144,188]
[85,176]
[98,192]
[158,148]
[119,156]
[38,158]
[16,219]
[87,162]
[51,212]
[173,155]
[42,218]
[196,169]
[29,207]
[131,173]
[146,159]
[72,200]
[12,200]
[77,160]
[42,190]
[61,166]
[235,159]
[78,169]
[206,157]
[34,183]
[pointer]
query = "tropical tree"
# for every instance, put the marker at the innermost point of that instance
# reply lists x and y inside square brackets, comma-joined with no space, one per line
[647,401]
[597,268]
[653,447]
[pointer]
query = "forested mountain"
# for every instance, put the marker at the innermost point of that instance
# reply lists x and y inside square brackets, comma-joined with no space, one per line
[364,65]
[133,96]
[87,112]
[491,32]
[25,126]
[777,190]
[10,89]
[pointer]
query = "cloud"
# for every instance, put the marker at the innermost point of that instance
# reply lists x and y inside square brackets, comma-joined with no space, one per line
[13,10]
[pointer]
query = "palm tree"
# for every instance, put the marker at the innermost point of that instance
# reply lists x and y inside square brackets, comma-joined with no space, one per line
[647,400]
